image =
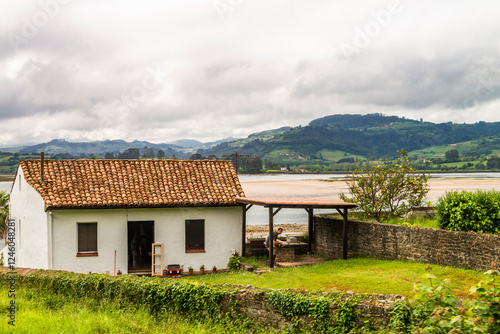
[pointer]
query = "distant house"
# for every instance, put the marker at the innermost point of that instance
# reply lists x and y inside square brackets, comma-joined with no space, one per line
[83,215]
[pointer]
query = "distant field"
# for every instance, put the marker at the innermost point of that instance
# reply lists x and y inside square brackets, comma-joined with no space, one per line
[335,156]
[462,147]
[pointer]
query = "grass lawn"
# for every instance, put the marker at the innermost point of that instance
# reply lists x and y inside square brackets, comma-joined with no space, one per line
[51,313]
[362,275]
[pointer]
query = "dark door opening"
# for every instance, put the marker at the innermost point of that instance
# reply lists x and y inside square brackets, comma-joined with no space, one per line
[140,237]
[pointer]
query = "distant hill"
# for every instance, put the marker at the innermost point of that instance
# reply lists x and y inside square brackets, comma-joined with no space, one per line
[183,148]
[187,143]
[372,136]
[359,121]
[326,140]
[99,148]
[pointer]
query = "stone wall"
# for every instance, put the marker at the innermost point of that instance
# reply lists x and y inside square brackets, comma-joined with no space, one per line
[252,303]
[395,242]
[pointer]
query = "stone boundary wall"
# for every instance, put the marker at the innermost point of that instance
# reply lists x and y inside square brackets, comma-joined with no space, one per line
[252,303]
[394,242]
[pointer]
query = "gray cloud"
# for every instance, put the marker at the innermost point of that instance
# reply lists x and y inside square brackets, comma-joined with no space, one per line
[162,71]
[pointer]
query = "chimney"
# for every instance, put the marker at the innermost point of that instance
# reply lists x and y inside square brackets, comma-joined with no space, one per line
[41,166]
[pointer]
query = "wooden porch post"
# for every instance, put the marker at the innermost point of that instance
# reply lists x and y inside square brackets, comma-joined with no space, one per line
[243,230]
[271,243]
[310,231]
[344,245]
[245,208]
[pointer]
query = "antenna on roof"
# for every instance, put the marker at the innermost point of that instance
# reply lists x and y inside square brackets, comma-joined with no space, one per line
[42,155]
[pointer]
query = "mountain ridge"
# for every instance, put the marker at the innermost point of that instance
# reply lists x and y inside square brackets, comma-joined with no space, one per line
[328,139]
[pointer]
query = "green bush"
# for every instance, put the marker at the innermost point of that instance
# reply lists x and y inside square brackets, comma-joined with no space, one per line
[234,261]
[435,309]
[477,211]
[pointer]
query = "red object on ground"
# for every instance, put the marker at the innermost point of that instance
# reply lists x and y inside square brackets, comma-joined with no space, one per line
[174,270]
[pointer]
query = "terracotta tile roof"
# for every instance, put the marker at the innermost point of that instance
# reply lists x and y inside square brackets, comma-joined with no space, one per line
[133,183]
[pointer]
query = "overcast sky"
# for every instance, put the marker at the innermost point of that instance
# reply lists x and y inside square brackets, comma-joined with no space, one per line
[166,70]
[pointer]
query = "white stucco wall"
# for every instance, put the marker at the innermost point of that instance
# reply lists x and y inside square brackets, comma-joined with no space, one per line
[28,209]
[222,234]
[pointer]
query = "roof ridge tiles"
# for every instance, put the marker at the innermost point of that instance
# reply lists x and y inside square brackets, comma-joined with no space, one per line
[133,183]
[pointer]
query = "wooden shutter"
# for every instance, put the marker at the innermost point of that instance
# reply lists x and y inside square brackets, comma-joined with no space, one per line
[87,237]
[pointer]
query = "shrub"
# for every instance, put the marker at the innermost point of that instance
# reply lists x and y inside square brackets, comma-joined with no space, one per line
[234,261]
[388,189]
[437,310]
[470,211]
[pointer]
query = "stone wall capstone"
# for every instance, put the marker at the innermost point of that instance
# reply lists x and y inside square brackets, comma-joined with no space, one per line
[395,242]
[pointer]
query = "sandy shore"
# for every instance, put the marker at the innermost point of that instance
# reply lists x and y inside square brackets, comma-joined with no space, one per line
[329,191]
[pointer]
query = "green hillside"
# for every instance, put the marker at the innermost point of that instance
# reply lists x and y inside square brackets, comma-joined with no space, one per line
[331,143]
[334,138]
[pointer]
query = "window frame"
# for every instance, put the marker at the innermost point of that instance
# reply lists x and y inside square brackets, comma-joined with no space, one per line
[89,252]
[188,236]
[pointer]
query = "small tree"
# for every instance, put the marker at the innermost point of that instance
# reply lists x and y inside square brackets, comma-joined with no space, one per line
[4,212]
[452,155]
[388,189]
[160,154]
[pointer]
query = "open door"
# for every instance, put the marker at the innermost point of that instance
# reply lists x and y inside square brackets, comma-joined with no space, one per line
[140,238]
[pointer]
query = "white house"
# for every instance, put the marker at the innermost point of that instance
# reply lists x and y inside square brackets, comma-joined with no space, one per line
[101,215]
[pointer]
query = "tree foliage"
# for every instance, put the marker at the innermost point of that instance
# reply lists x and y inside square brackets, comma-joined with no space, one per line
[388,189]
[148,152]
[452,155]
[130,153]
[4,211]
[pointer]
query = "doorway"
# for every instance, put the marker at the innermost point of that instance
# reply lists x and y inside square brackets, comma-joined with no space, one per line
[140,237]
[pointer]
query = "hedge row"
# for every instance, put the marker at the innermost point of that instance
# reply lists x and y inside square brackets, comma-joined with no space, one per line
[192,299]
[156,294]
[477,211]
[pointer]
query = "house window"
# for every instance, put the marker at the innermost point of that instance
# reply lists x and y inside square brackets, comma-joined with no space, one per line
[87,239]
[195,236]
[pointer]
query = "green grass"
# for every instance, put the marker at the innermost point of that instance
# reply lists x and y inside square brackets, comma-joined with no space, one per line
[460,164]
[432,151]
[42,313]
[362,275]
[336,155]
[412,221]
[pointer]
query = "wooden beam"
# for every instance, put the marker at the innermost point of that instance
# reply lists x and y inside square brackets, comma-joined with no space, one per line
[340,212]
[275,212]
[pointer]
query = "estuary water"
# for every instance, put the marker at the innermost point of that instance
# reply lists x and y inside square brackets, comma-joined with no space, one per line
[328,187]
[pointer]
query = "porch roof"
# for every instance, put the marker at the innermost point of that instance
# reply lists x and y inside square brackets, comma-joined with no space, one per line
[276,204]
[295,203]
